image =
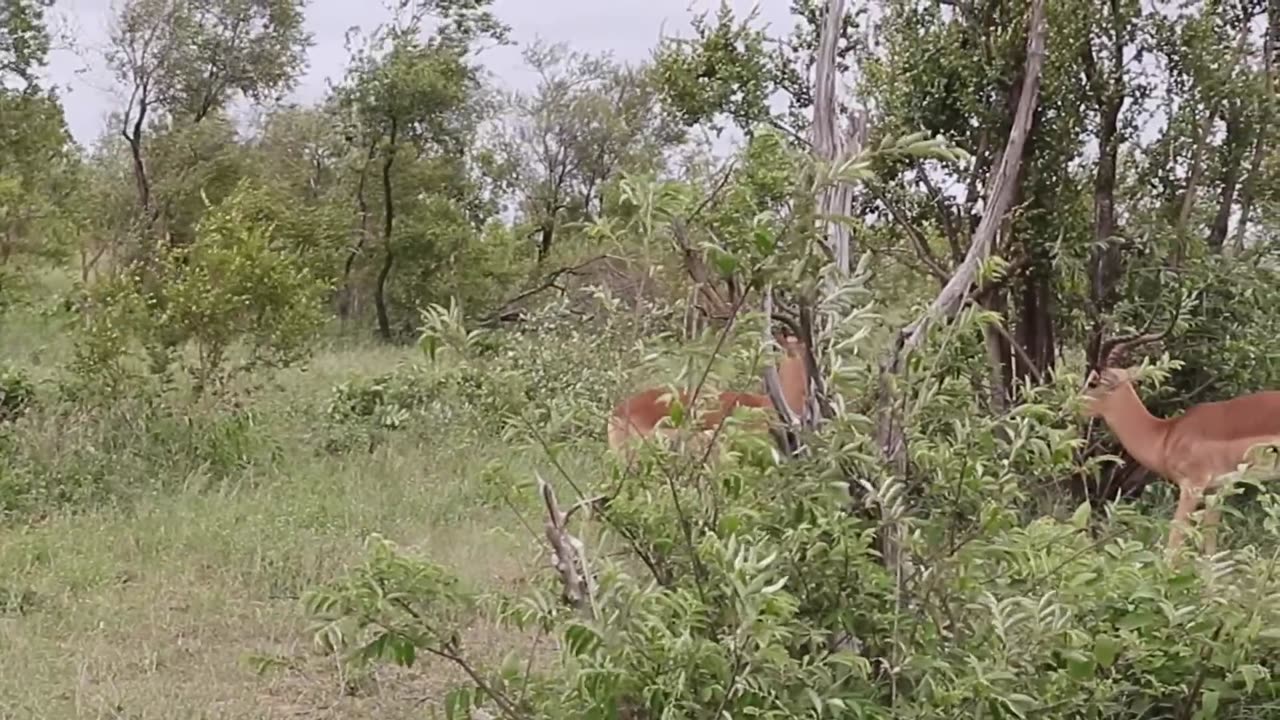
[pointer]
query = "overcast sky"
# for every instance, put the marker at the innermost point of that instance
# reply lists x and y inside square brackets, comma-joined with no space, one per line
[627,28]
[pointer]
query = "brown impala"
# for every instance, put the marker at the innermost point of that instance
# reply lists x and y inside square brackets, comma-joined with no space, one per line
[1193,451]
[638,416]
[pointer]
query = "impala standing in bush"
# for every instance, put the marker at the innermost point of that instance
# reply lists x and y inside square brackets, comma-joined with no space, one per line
[1194,451]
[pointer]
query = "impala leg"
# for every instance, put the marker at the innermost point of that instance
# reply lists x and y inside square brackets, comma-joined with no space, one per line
[1188,499]
[1211,518]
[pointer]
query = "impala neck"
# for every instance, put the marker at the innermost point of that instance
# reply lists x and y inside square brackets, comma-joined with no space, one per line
[1141,433]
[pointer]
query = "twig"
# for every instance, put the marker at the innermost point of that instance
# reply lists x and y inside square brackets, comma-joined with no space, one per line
[918,240]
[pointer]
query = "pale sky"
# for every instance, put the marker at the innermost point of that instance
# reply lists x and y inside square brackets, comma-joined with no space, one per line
[627,28]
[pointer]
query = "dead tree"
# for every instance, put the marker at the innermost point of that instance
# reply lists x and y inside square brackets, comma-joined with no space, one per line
[958,290]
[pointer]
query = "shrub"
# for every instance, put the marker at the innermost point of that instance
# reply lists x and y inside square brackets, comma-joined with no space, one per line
[231,286]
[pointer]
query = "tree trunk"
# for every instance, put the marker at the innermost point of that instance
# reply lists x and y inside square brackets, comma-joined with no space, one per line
[889,431]
[1036,332]
[546,236]
[1105,258]
[362,205]
[140,178]
[388,253]
[1235,145]
[828,143]
[998,352]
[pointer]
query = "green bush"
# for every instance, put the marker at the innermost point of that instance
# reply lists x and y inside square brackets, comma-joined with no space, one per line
[233,286]
[68,456]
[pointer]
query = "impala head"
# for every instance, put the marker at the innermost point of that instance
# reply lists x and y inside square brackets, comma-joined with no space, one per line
[1100,386]
[1108,373]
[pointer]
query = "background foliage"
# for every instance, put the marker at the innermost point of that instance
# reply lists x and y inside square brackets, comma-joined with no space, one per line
[427,291]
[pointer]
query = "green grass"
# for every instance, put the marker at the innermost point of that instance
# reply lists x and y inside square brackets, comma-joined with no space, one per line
[155,612]
[168,605]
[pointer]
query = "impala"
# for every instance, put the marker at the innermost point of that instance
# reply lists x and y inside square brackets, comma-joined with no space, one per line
[1195,451]
[639,416]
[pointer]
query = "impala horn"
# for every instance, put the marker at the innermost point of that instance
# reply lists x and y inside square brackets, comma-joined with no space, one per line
[1115,350]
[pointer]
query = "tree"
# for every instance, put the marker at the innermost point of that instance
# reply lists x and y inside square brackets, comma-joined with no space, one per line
[182,60]
[36,155]
[24,41]
[588,120]
[407,95]
[732,71]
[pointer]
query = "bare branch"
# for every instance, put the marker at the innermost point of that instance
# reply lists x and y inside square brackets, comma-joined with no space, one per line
[949,301]
[569,559]
[918,240]
[550,281]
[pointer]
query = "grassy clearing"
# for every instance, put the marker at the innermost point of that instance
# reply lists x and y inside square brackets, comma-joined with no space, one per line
[169,606]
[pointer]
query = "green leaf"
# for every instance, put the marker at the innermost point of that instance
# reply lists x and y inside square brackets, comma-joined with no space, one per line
[676,412]
[1021,704]
[580,639]
[1136,619]
[402,650]
[1082,668]
[457,703]
[1105,650]
[1080,518]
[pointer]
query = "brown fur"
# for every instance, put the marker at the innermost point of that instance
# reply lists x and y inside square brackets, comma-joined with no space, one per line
[638,415]
[1194,450]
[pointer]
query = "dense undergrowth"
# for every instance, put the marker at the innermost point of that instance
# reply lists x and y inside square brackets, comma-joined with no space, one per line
[757,588]
[754,588]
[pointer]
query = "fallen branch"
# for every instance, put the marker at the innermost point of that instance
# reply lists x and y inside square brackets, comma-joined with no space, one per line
[506,311]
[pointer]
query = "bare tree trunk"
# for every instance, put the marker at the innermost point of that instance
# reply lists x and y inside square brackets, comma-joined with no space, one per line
[833,144]
[949,301]
[388,254]
[828,143]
